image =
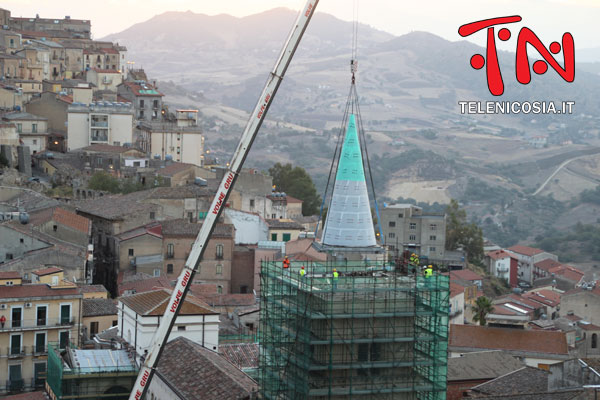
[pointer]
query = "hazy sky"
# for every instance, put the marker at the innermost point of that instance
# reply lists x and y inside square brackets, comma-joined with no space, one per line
[548,18]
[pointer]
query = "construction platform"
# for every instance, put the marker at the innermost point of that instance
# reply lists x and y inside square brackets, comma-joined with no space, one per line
[371,333]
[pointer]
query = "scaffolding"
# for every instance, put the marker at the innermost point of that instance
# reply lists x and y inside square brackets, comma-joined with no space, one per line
[67,382]
[370,333]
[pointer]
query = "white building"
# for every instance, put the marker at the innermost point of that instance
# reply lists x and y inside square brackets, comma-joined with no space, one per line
[527,257]
[457,304]
[249,228]
[100,122]
[32,130]
[139,315]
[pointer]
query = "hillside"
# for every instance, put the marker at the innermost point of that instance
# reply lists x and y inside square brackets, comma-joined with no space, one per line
[409,86]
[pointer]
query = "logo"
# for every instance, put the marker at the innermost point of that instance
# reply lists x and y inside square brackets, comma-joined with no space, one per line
[522,68]
[263,107]
[219,203]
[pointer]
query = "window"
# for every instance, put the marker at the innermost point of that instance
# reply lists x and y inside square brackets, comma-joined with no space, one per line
[287,237]
[391,235]
[55,228]
[181,328]
[21,240]
[130,252]
[190,216]
[273,216]
[141,114]
[35,141]
[392,224]
[16,317]
[15,379]
[244,289]
[115,323]
[65,314]
[169,268]
[219,289]
[251,203]
[155,104]
[152,215]
[433,227]
[41,312]
[412,237]
[34,129]
[274,237]
[400,215]
[141,103]
[93,329]
[219,254]
[392,247]
[40,342]
[178,150]
[170,250]
[202,215]
[412,226]
[594,341]
[156,272]
[63,339]
[219,270]
[432,249]
[39,372]
[15,344]
[20,128]
[432,238]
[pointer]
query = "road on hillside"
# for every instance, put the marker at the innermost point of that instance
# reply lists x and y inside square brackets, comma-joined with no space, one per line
[556,172]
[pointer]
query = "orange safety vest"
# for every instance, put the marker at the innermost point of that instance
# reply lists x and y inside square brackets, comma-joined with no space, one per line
[286,263]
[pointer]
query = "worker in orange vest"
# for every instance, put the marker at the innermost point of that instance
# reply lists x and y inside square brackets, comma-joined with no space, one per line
[286,263]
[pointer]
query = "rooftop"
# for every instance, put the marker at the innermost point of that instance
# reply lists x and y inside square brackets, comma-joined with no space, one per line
[106,148]
[283,224]
[519,382]
[465,275]
[99,307]
[242,355]
[174,168]
[481,365]
[33,291]
[142,89]
[144,285]
[220,378]
[184,228]
[483,337]
[117,207]
[48,271]
[155,303]
[90,361]
[92,289]
[525,250]
[63,217]
[547,264]
[18,116]
[10,275]
[498,254]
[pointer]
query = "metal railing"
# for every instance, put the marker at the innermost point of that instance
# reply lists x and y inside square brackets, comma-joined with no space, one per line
[23,351]
[41,323]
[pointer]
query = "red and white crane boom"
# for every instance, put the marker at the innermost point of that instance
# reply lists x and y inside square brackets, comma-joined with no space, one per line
[235,166]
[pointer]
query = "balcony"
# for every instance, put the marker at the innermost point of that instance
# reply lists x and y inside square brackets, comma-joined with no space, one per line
[37,324]
[15,385]
[15,351]
[502,269]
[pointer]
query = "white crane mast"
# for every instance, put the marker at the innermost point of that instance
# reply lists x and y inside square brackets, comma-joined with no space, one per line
[235,166]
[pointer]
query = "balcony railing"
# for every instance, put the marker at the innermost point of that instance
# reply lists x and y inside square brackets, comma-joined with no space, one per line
[15,385]
[42,323]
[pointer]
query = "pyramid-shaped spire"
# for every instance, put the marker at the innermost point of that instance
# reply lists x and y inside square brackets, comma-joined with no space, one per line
[349,222]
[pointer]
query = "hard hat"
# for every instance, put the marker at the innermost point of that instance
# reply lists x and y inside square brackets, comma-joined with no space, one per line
[430,266]
[303,267]
[334,270]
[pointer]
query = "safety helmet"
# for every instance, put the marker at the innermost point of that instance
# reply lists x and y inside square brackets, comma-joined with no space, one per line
[334,270]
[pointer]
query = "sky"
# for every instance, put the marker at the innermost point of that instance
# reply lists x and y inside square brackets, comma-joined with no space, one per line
[549,19]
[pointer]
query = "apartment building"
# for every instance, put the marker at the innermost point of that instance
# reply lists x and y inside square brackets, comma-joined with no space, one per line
[99,122]
[31,317]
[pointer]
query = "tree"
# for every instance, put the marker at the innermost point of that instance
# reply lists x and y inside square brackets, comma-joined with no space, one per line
[296,182]
[103,181]
[459,233]
[483,306]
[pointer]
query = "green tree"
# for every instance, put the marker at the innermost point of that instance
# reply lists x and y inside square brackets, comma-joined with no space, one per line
[296,182]
[459,233]
[483,306]
[103,181]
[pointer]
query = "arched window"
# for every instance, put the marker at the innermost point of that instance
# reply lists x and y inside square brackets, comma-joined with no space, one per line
[594,340]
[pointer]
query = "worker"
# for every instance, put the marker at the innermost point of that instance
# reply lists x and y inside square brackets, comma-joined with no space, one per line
[335,278]
[414,259]
[302,272]
[286,263]
[2,321]
[428,272]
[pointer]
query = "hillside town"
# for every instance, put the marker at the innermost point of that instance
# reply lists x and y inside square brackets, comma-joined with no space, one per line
[104,189]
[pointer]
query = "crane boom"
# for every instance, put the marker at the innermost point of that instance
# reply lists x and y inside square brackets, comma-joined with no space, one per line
[193,261]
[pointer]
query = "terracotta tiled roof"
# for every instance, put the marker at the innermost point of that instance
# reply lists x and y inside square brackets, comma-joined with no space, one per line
[117,207]
[588,327]
[483,337]
[518,383]
[498,254]
[283,224]
[98,307]
[67,99]
[465,274]
[28,396]
[10,275]
[174,168]
[456,289]
[221,380]
[92,289]
[481,365]
[145,285]
[291,199]
[242,355]
[28,291]
[184,228]
[47,271]
[547,264]
[567,272]
[155,303]
[525,250]
[153,229]
[234,299]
